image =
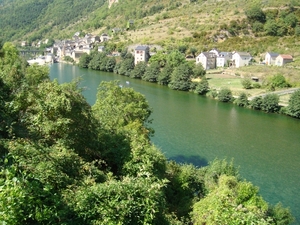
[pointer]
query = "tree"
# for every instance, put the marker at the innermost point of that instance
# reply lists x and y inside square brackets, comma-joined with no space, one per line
[84,60]
[291,20]
[225,95]
[12,67]
[182,48]
[293,108]
[164,76]
[255,13]
[234,202]
[152,72]
[270,103]
[110,64]
[175,58]
[242,100]
[35,74]
[181,78]
[202,87]
[277,81]
[199,71]
[126,66]
[159,57]
[193,51]
[139,70]
[117,107]
[271,27]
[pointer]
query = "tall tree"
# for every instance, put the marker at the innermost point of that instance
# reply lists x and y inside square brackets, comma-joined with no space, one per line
[181,78]
[164,76]
[152,72]
[139,70]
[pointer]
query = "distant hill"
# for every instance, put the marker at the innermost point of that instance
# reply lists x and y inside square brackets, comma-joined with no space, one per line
[201,24]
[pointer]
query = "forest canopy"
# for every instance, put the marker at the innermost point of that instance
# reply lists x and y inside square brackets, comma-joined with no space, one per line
[66,162]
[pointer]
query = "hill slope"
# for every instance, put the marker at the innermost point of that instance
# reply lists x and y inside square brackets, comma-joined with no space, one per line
[224,24]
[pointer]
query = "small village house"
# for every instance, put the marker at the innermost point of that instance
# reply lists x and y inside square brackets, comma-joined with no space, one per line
[215,51]
[141,54]
[207,59]
[76,55]
[283,59]
[104,37]
[270,58]
[223,58]
[240,59]
[101,48]
[24,43]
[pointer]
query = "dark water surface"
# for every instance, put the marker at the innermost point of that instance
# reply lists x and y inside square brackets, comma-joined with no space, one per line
[195,129]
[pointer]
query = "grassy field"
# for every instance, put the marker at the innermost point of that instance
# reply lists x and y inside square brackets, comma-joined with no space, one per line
[219,80]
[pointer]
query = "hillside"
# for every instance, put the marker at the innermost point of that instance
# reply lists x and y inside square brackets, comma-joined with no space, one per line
[225,24]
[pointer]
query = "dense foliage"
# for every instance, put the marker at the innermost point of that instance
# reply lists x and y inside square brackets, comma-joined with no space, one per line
[65,162]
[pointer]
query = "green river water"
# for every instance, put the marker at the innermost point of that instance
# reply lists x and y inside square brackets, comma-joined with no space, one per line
[194,129]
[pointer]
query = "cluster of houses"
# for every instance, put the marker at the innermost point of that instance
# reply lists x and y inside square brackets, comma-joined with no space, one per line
[214,58]
[210,60]
[77,46]
[73,48]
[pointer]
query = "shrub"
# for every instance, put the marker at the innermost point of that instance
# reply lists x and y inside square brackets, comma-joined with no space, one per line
[242,100]
[225,95]
[246,82]
[293,109]
[270,103]
[256,102]
[256,85]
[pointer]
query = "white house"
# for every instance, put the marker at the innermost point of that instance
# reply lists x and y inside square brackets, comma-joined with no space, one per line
[270,58]
[104,37]
[207,59]
[241,59]
[141,54]
[223,58]
[101,48]
[283,59]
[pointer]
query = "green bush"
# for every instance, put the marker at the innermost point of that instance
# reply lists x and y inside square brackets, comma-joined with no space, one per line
[293,109]
[225,95]
[256,102]
[270,103]
[242,100]
[247,83]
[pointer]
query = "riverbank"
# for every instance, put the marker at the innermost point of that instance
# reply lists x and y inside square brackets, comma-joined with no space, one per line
[194,129]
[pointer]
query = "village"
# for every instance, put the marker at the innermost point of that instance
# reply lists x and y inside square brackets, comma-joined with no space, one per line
[212,59]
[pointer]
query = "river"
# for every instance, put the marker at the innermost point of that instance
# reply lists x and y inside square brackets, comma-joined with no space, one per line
[194,129]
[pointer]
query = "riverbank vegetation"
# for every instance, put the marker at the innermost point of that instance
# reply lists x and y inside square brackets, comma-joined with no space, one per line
[173,70]
[66,162]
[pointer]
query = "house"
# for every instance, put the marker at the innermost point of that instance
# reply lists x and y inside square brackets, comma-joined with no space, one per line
[76,55]
[86,49]
[283,59]
[104,37]
[101,48]
[241,59]
[141,54]
[24,43]
[207,59]
[49,58]
[270,58]
[95,39]
[223,58]
[116,30]
[215,51]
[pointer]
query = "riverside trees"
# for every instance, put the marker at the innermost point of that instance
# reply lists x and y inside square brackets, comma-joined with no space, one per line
[65,162]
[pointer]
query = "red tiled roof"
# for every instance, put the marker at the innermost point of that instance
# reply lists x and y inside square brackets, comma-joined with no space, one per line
[286,56]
